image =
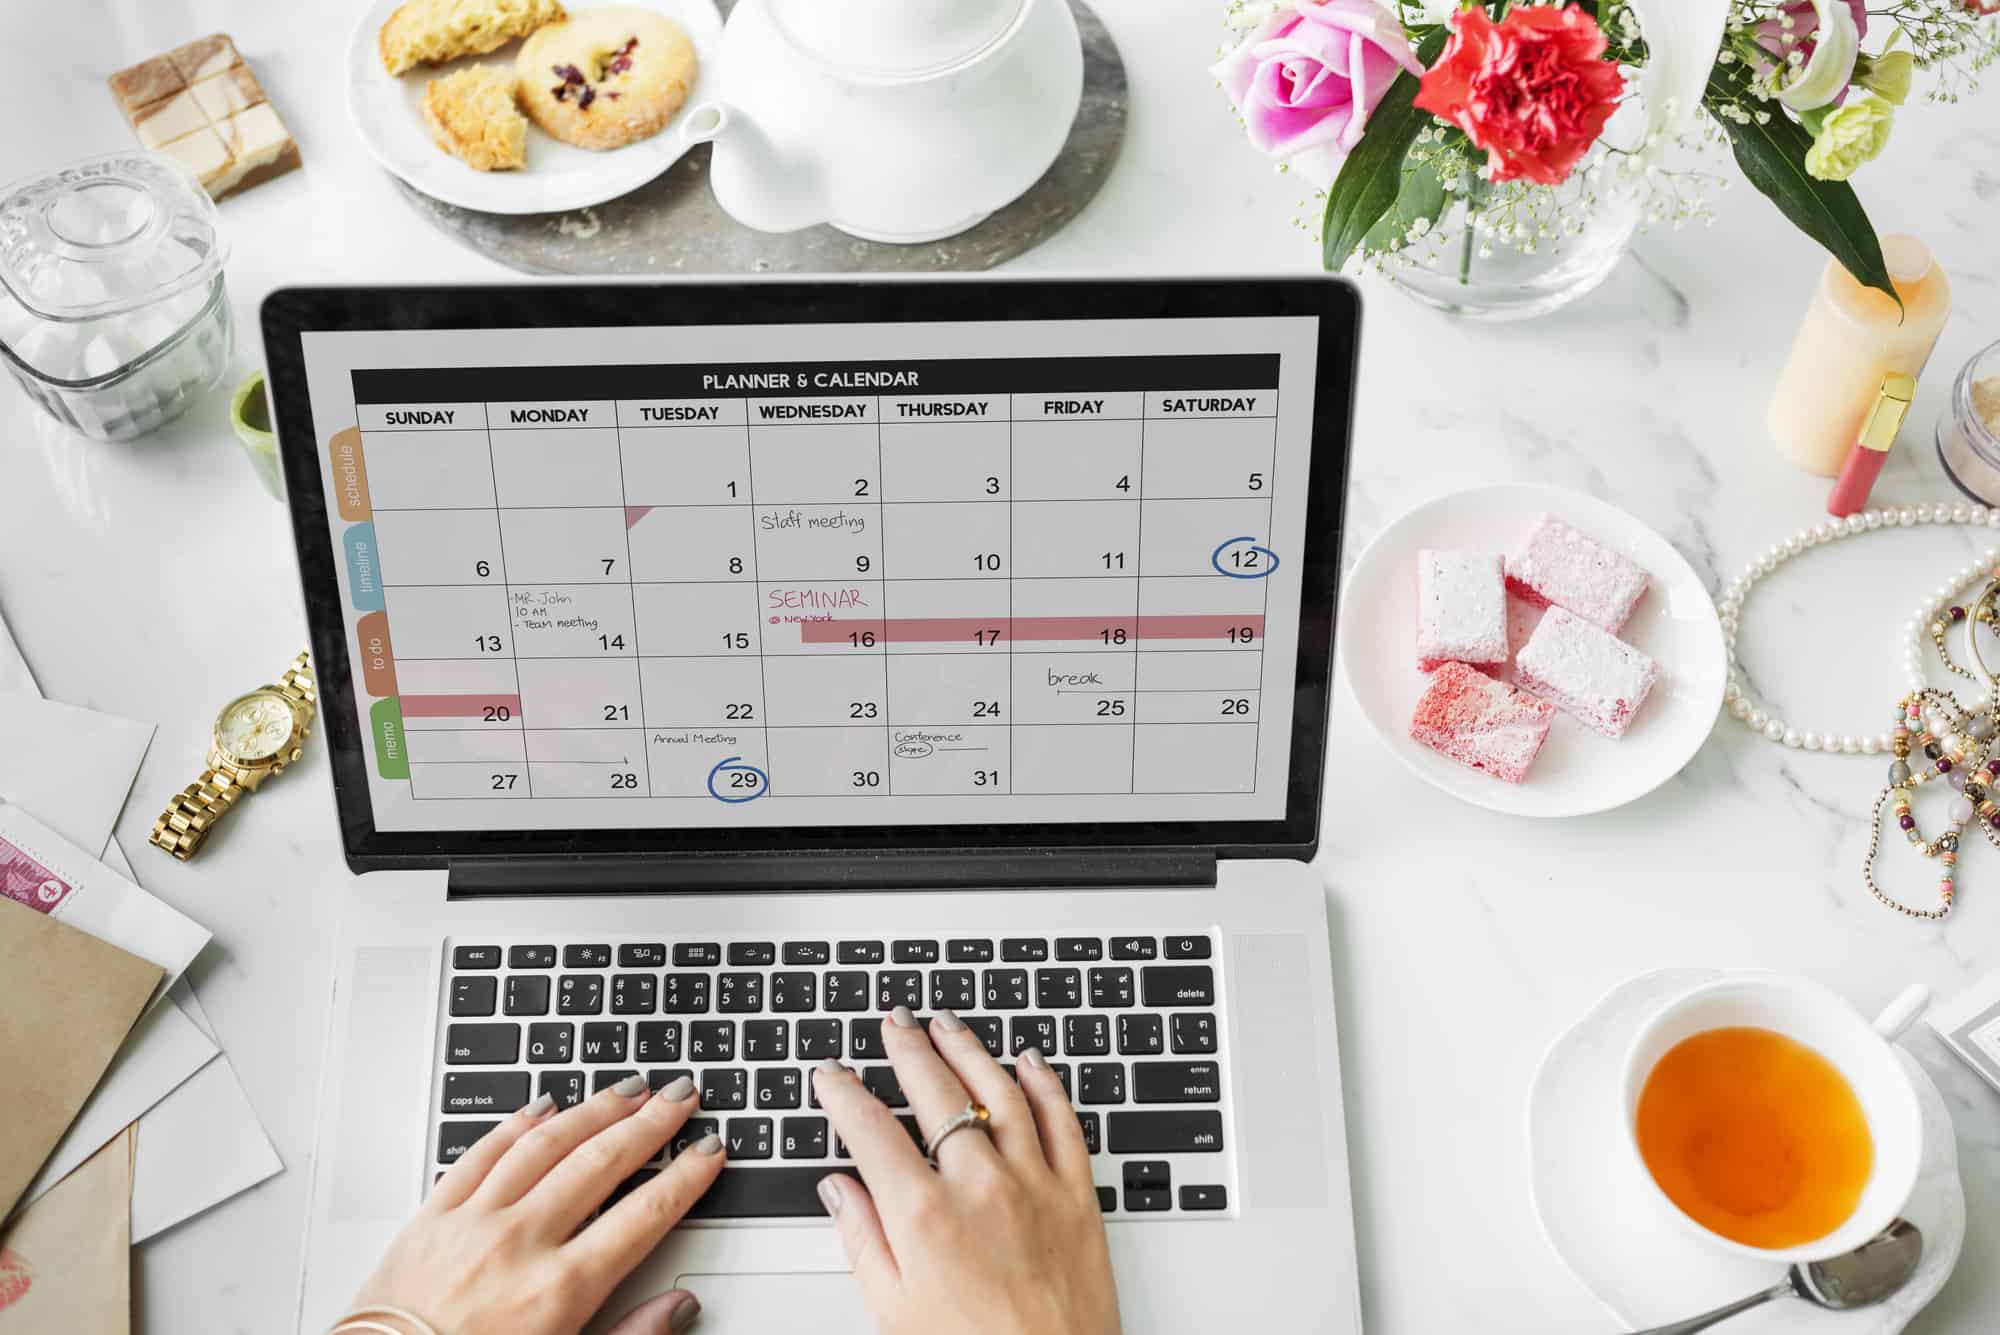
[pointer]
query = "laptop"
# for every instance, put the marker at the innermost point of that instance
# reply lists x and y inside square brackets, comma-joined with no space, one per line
[709,668]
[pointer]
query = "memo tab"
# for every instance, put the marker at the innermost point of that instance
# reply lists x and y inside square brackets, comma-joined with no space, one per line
[753,582]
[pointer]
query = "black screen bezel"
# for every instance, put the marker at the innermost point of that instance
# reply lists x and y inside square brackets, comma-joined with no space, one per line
[288,313]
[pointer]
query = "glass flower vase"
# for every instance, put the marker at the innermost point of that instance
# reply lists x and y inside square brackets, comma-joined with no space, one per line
[1515,251]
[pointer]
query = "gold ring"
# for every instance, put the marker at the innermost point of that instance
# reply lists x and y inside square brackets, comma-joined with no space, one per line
[973,1114]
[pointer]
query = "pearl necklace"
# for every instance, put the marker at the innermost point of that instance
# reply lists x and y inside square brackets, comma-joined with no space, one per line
[1735,694]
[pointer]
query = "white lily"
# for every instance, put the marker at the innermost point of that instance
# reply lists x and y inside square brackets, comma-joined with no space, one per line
[1682,38]
[1836,46]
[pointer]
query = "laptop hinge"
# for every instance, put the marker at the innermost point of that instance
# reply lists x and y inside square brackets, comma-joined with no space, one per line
[890,869]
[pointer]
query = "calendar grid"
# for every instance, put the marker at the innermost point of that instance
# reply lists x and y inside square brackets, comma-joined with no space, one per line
[1142,663]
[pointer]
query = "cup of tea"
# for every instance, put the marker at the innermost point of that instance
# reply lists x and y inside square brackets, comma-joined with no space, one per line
[1773,1120]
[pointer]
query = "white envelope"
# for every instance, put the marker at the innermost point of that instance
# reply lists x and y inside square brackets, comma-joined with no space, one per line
[83,893]
[70,768]
[164,1049]
[200,1145]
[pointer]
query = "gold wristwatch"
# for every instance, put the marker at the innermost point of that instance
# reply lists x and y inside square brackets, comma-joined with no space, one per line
[256,736]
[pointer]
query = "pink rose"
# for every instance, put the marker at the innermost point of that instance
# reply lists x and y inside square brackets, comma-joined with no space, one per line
[1306,80]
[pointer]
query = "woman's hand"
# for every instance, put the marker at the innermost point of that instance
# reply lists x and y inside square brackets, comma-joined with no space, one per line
[1004,1237]
[496,1249]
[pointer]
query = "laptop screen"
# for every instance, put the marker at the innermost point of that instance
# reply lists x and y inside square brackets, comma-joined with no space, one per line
[821,575]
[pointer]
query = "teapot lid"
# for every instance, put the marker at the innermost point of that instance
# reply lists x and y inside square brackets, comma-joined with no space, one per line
[895,38]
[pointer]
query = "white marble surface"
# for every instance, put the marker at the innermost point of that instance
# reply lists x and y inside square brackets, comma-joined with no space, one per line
[156,579]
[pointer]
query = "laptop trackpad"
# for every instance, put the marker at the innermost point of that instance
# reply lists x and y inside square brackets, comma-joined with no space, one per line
[827,1304]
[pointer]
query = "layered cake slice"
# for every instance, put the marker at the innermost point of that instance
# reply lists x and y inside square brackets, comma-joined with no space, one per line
[1558,566]
[1585,671]
[1461,609]
[1481,722]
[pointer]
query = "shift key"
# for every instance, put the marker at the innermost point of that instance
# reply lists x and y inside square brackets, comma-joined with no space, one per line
[482,1044]
[1166,1131]
[1178,985]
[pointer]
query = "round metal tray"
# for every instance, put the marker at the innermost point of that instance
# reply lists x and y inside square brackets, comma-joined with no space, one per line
[672,224]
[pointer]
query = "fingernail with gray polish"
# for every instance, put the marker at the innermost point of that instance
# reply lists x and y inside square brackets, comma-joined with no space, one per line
[903,1018]
[709,1144]
[831,1066]
[830,1194]
[680,1087]
[683,1315]
[947,1021]
[540,1105]
[631,1086]
[1033,1056]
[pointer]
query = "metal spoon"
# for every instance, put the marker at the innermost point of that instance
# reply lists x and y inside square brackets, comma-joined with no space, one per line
[1861,1278]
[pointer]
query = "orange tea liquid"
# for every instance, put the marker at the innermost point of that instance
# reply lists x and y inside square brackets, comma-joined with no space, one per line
[1755,1136]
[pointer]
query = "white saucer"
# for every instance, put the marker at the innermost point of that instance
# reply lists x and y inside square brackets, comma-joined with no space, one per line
[1598,1213]
[1578,771]
[387,111]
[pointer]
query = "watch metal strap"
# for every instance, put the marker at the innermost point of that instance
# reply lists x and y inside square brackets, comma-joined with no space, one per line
[194,812]
[297,684]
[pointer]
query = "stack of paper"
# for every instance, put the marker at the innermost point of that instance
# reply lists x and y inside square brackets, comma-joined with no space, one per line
[124,1117]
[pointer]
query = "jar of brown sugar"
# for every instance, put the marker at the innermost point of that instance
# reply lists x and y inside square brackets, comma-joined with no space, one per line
[1968,431]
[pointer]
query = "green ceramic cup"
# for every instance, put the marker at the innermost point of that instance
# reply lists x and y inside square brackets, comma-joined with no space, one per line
[250,414]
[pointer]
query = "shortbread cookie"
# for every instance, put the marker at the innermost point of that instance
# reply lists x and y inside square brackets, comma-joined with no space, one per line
[605,78]
[430,32]
[472,116]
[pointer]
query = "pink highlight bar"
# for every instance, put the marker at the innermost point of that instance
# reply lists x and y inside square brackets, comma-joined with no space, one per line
[459,706]
[952,630]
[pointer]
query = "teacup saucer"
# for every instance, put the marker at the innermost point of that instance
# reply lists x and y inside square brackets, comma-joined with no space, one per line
[1615,1236]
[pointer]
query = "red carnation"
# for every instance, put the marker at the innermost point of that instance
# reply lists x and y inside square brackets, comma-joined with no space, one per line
[1533,90]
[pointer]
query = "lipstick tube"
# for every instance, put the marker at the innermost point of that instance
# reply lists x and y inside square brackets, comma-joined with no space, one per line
[1878,434]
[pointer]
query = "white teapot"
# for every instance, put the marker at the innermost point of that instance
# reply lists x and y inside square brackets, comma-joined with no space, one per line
[893,120]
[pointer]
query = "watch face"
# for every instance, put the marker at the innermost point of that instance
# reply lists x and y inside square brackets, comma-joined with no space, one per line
[255,727]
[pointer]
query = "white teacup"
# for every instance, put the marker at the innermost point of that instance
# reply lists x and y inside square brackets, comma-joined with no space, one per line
[1808,1014]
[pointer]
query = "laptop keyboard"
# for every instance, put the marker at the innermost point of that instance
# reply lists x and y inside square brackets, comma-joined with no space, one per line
[1131,1024]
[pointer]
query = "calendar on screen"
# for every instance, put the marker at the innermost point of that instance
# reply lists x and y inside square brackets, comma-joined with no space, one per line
[700,577]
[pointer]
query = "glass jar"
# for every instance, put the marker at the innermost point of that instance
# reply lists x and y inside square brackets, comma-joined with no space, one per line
[113,314]
[1968,430]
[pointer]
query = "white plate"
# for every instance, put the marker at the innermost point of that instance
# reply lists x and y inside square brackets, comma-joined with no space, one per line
[388,113]
[1613,1233]
[1579,770]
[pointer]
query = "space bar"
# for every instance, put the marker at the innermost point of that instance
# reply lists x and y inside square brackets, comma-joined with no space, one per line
[765,1193]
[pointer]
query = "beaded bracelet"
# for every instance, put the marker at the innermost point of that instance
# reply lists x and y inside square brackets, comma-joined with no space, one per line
[368,1321]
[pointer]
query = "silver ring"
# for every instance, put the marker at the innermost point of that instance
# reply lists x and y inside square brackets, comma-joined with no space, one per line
[974,1114]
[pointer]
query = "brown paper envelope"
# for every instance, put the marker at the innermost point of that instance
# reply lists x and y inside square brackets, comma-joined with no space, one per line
[68,1002]
[66,1263]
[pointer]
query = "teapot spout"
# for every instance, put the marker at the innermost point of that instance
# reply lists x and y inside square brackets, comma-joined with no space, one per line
[756,181]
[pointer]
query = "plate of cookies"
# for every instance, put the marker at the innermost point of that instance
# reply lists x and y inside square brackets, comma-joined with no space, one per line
[1532,650]
[529,106]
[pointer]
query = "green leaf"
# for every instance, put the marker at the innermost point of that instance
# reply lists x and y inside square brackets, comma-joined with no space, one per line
[1422,198]
[1773,158]
[1372,177]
